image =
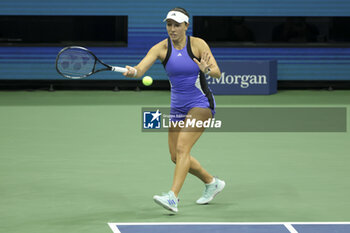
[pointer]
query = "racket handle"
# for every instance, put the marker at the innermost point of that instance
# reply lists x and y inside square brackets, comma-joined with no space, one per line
[119,69]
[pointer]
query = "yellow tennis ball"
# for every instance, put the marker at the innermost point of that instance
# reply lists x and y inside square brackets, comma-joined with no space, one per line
[147,81]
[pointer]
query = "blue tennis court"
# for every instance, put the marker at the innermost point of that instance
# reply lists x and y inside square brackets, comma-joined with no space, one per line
[337,227]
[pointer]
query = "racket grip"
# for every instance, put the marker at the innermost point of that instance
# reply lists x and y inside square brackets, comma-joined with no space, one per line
[119,69]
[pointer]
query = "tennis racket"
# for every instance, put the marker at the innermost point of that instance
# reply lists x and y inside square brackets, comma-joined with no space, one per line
[77,62]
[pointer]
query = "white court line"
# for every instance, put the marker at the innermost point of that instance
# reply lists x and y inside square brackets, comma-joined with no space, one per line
[226,223]
[114,227]
[290,228]
[288,225]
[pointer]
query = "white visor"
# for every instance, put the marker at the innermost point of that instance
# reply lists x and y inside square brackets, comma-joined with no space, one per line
[177,16]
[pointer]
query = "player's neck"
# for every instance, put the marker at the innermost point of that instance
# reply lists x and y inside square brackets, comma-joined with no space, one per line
[180,43]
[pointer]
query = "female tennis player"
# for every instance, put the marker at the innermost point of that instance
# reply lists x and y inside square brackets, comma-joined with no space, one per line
[186,60]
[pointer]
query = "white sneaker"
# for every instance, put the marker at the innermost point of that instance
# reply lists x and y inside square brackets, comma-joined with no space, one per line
[211,190]
[167,200]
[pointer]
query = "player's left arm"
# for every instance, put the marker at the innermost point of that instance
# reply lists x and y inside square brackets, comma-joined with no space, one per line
[207,63]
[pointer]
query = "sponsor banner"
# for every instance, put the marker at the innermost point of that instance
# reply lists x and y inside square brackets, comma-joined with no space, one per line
[250,119]
[245,78]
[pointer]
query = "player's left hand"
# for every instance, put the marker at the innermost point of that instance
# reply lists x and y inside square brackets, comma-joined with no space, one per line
[204,64]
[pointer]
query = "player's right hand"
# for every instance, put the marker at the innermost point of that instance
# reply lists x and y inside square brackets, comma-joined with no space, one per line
[131,73]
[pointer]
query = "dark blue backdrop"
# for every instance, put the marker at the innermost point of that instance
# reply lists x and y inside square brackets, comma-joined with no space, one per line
[145,28]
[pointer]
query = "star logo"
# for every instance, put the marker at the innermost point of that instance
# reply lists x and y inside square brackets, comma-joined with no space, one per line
[152,119]
[156,115]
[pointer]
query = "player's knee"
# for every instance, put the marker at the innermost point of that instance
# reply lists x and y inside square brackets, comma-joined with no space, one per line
[173,159]
[172,155]
[181,151]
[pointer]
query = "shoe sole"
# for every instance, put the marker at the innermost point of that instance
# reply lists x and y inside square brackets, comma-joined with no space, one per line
[222,188]
[165,206]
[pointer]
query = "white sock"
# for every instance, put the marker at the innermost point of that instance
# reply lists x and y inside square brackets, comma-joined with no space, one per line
[212,182]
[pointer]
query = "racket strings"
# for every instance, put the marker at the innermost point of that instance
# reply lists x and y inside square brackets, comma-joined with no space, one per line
[76,63]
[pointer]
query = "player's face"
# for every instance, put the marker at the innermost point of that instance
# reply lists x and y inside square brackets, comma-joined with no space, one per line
[176,30]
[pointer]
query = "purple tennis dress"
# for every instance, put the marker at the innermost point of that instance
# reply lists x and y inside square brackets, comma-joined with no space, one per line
[189,88]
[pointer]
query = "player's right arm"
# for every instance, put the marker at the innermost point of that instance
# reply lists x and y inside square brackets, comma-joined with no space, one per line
[153,54]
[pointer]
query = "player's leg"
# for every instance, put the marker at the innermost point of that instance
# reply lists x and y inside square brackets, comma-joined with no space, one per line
[185,141]
[187,137]
[195,167]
